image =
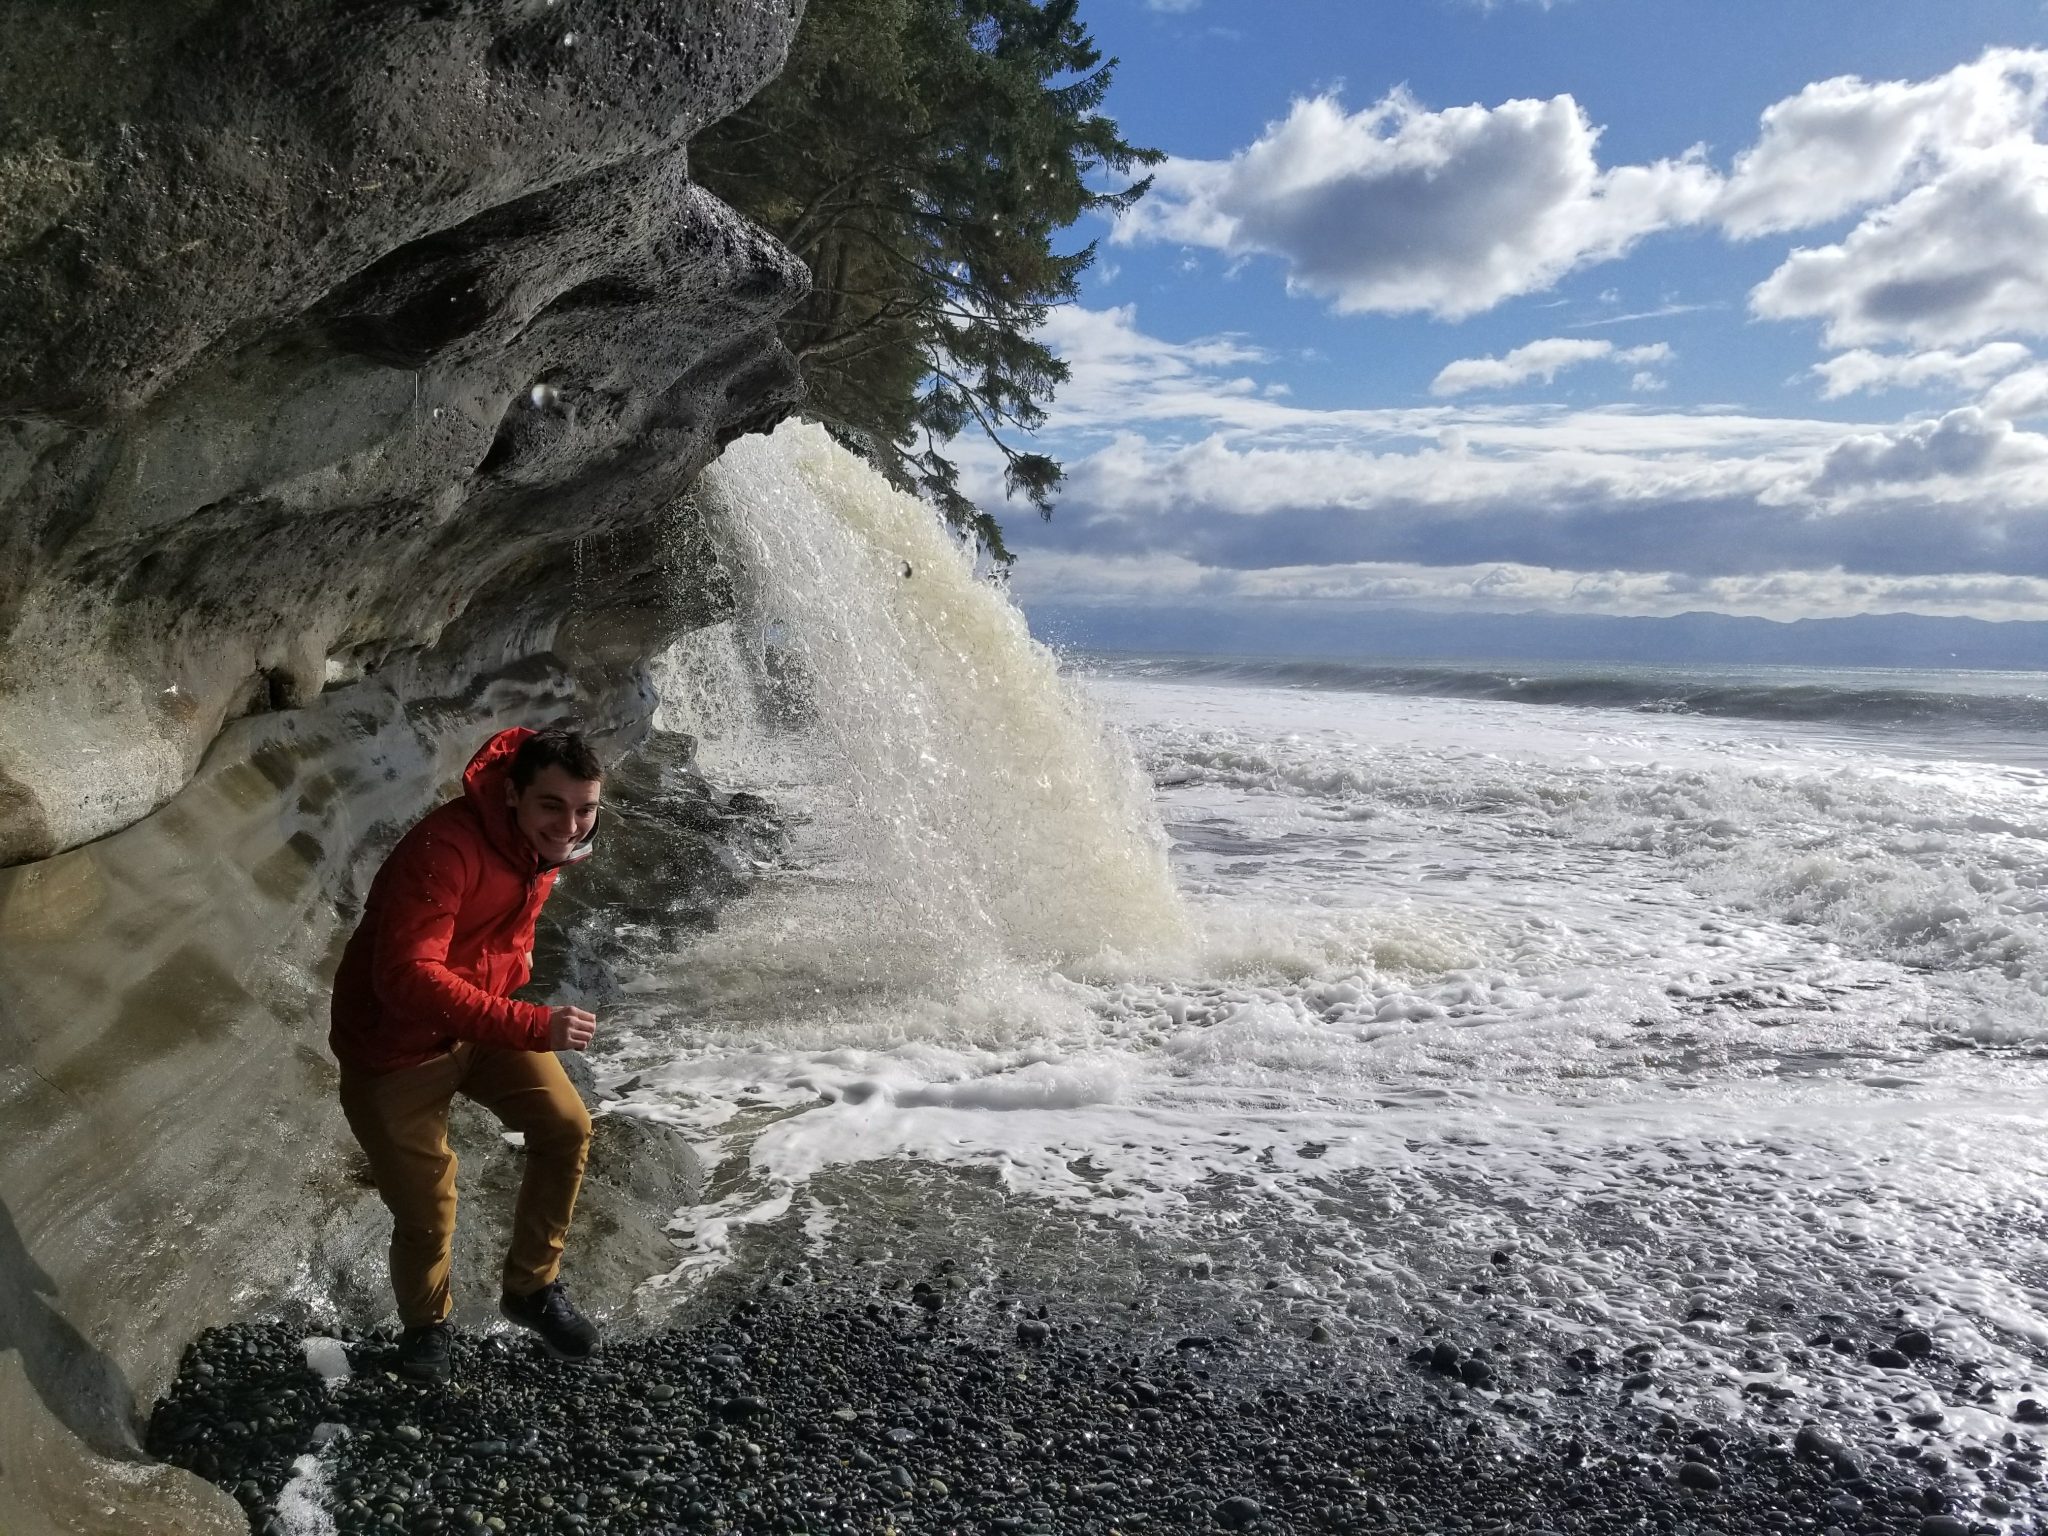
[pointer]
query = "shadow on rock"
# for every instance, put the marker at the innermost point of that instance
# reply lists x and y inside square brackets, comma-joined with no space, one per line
[81,1386]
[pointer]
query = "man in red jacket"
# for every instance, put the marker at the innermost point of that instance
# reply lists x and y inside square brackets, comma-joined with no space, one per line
[423,1010]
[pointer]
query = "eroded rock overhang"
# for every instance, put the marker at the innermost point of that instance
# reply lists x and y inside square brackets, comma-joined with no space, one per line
[325,327]
[354,359]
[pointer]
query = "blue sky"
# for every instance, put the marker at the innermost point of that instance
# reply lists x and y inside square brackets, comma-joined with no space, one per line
[1589,307]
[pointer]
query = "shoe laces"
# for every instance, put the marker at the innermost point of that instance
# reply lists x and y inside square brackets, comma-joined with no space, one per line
[554,1303]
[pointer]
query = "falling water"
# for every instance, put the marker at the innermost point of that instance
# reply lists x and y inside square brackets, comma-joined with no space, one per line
[995,815]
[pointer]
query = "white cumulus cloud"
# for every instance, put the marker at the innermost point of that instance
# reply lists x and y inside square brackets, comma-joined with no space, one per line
[1538,360]
[1953,247]
[1968,444]
[1959,259]
[1543,360]
[2019,396]
[1399,209]
[1863,369]
[1845,143]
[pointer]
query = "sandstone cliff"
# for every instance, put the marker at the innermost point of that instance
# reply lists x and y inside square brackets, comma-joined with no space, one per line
[354,359]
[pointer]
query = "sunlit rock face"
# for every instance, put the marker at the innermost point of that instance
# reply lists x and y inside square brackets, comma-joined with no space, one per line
[324,325]
[354,360]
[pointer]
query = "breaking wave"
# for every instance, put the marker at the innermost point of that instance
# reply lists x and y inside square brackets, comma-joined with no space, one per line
[1989,701]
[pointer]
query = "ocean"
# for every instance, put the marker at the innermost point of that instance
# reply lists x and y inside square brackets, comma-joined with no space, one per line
[1561,1008]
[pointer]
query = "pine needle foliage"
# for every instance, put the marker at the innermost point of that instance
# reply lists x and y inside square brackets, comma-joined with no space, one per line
[923,157]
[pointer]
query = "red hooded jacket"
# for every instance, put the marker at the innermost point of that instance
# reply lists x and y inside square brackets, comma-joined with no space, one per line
[447,933]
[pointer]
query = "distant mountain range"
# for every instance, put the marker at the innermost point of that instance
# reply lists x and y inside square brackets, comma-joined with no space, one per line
[1871,640]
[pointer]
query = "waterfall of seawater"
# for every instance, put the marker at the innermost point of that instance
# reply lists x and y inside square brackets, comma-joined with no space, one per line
[709,687]
[979,812]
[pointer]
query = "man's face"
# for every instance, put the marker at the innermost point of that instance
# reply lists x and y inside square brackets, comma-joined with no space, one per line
[556,811]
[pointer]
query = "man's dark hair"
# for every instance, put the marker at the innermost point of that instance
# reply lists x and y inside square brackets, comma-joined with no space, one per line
[555,747]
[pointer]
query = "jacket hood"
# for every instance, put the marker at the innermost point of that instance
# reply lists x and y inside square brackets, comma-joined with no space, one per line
[483,785]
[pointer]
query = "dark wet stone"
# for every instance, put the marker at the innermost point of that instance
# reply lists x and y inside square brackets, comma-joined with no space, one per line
[1237,1512]
[1697,1474]
[1443,1359]
[1811,1442]
[1032,1331]
[737,1410]
[1914,1343]
[2030,1411]
[1944,1525]
[1889,1359]
[878,1417]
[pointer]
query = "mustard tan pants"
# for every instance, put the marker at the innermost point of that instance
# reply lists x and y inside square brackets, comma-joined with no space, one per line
[401,1120]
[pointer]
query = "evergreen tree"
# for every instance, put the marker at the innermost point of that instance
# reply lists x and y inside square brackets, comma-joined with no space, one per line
[922,156]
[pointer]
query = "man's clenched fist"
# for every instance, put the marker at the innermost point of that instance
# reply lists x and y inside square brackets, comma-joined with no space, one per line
[570,1029]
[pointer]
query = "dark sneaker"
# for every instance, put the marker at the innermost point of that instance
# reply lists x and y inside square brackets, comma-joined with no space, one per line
[426,1353]
[564,1332]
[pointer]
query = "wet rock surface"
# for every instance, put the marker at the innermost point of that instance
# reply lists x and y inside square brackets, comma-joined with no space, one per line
[832,1406]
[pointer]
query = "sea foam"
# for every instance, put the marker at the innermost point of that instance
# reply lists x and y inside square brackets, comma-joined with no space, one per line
[1669,1006]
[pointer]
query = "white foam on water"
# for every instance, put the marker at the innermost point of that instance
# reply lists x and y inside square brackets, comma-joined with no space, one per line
[301,1503]
[1684,1012]
[1937,866]
[705,1235]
